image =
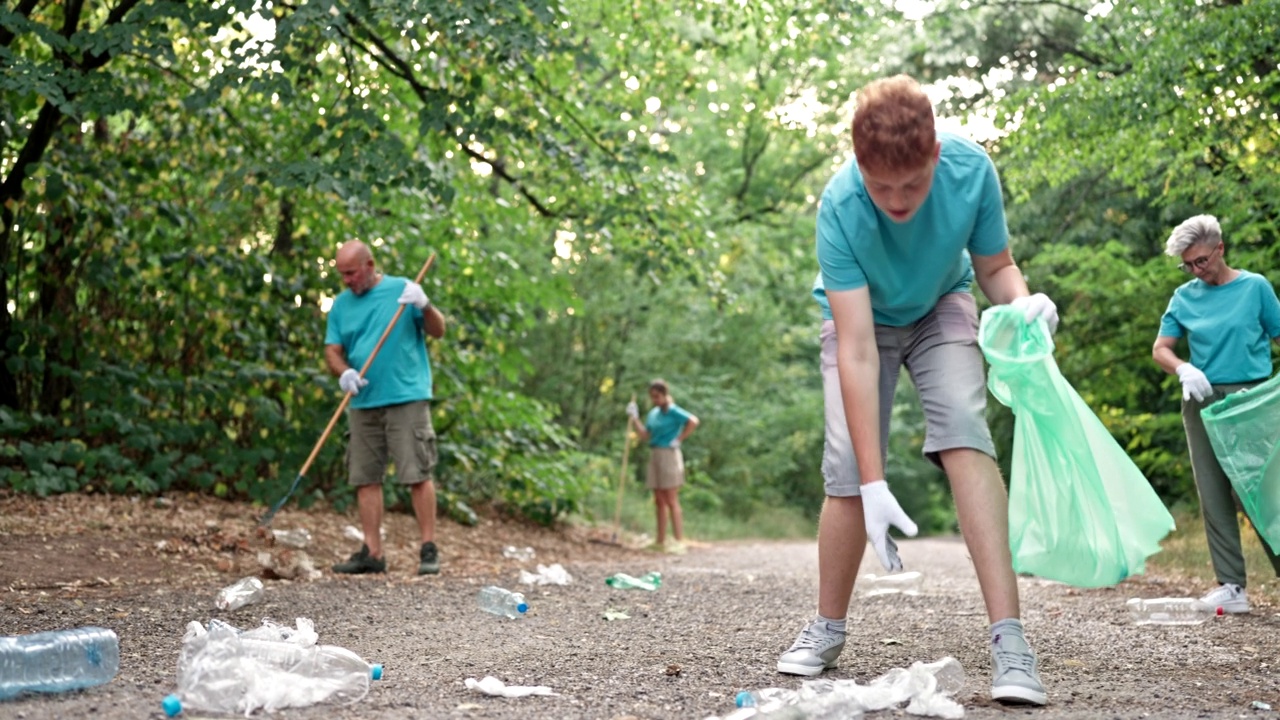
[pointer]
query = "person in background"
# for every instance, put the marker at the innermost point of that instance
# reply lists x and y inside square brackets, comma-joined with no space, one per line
[904,229]
[665,427]
[390,411]
[1227,316]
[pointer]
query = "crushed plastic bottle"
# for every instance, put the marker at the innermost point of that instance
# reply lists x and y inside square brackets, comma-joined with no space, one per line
[927,687]
[226,670]
[500,601]
[58,660]
[622,581]
[906,583]
[1169,611]
[240,593]
[297,538]
[523,554]
[766,699]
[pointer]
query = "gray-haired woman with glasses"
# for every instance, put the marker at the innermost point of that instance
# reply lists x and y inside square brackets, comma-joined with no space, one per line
[1228,316]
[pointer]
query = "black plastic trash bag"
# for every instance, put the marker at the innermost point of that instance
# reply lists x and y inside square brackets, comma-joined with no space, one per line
[1080,511]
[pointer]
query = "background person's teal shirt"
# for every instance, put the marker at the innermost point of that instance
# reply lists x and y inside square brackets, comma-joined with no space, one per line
[909,266]
[665,426]
[1228,327]
[401,372]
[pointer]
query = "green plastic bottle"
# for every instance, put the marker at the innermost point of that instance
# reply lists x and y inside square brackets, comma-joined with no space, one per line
[623,581]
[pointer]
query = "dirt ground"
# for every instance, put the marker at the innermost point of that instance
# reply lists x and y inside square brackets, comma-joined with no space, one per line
[146,567]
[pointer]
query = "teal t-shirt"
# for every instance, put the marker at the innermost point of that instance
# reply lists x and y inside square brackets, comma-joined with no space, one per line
[401,372]
[665,426]
[820,294]
[909,266]
[1229,327]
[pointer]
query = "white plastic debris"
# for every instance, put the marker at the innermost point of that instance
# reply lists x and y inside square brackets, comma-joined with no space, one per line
[554,575]
[493,686]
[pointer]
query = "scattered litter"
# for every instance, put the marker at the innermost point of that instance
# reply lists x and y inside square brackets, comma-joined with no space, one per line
[288,564]
[1259,705]
[518,553]
[245,591]
[616,615]
[297,538]
[351,532]
[554,575]
[650,581]
[493,686]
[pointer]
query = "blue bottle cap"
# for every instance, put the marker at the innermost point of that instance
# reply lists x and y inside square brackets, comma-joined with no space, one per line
[376,672]
[172,705]
[523,607]
[744,699]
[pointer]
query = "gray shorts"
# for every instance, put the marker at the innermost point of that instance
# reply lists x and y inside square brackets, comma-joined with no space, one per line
[666,469]
[940,351]
[400,433]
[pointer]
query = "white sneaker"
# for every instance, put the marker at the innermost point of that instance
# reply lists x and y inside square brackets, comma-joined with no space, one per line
[1228,597]
[815,650]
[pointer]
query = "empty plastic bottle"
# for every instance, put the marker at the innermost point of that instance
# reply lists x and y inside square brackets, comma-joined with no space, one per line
[766,699]
[1169,611]
[224,671]
[240,593]
[649,581]
[907,583]
[501,601]
[58,660]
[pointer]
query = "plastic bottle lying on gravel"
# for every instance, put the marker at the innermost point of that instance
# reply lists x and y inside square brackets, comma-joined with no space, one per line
[501,601]
[58,660]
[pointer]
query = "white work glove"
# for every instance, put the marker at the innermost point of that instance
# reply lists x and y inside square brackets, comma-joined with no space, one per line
[413,295]
[633,411]
[1194,383]
[1038,306]
[880,510]
[351,382]
[675,444]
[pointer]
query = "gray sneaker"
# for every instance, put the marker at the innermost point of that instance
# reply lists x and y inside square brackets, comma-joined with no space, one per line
[1014,679]
[815,650]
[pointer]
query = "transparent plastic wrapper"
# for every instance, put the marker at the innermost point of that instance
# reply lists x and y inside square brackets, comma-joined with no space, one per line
[513,552]
[1080,511]
[223,669]
[298,538]
[926,688]
[904,583]
[242,592]
[491,685]
[553,575]
[58,660]
[1244,429]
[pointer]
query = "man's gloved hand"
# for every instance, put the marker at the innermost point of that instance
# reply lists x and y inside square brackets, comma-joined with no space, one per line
[351,382]
[413,295]
[633,411]
[880,509]
[1194,383]
[675,444]
[1038,306]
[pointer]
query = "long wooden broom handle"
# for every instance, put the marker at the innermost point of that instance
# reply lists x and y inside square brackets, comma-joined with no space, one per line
[346,399]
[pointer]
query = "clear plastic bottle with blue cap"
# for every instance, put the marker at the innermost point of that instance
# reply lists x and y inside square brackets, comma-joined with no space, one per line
[500,601]
[224,670]
[58,660]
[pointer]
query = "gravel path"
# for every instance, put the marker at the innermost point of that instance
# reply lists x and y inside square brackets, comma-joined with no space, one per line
[716,626]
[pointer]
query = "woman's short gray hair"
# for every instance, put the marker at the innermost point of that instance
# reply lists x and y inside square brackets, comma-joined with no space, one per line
[1198,230]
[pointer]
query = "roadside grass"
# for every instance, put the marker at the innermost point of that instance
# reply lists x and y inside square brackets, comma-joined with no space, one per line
[1186,555]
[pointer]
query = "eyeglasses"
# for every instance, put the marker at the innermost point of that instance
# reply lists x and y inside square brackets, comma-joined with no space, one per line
[1199,263]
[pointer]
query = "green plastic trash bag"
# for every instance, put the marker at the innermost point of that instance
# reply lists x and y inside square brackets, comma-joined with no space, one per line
[1244,429]
[1080,511]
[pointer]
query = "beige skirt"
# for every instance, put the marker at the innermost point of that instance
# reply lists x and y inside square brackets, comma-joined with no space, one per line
[666,469]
